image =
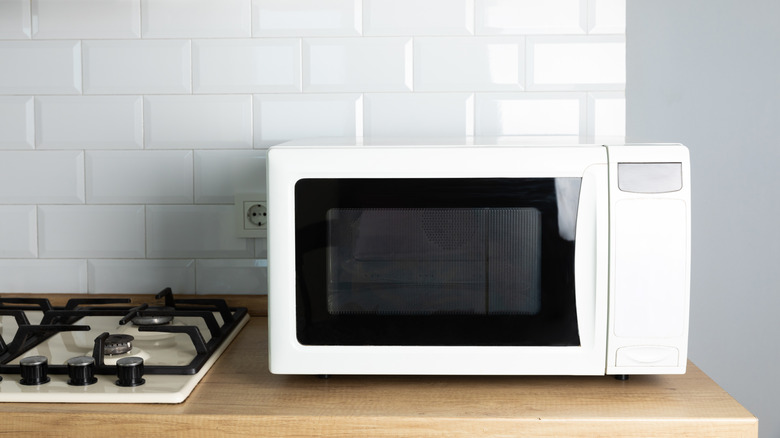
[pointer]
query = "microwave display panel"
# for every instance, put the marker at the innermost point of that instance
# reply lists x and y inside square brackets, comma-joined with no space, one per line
[473,261]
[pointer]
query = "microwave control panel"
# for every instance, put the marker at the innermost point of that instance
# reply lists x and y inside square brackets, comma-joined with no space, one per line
[649,259]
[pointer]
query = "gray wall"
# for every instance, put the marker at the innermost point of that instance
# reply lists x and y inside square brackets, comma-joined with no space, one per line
[707,74]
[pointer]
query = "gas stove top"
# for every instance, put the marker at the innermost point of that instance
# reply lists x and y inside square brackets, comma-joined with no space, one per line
[100,351]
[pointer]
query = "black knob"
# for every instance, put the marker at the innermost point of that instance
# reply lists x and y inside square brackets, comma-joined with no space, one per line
[34,370]
[81,371]
[130,371]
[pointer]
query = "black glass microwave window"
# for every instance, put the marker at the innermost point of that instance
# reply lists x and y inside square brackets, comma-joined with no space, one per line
[436,261]
[419,261]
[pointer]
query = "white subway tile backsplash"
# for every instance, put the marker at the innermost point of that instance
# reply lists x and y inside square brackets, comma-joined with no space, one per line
[43,276]
[261,248]
[86,19]
[246,65]
[15,19]
[517,17]
[237,277]
[18,233]
[17,127]
[110,276]
[533,114]
[274,18]
[220,175]
[128,126]
[139,177]
[136,66]
[187,122]
[607,17]
[577,63]
[469,64]
[391,115]
[418,17]
[86,231]
[282,117]
[607,114]
[357,64]
[88,122]
[40,67]
[33,177]
[194,231]
[196,18]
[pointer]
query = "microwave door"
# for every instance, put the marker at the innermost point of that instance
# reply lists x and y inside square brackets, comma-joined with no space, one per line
[448,262]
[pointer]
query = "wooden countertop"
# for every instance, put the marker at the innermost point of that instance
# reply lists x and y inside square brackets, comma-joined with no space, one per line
[239,397]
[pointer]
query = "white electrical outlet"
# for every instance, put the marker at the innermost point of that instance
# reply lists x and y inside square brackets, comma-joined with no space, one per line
[251,213]
[257,214]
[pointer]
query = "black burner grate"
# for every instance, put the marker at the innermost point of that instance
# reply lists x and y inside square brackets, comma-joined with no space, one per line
[61,319]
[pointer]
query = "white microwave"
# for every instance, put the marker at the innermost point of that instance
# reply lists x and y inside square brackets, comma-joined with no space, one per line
[478,257]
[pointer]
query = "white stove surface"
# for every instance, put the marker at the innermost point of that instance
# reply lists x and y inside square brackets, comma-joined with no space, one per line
[154,347]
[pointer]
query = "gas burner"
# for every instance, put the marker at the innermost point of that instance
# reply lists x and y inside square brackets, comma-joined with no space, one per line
[151,317]
[118,344]
[133,330]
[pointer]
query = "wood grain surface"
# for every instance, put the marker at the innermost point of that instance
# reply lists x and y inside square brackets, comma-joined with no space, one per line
[239,397]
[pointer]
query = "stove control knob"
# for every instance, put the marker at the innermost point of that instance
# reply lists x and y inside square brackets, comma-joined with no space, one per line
[130,371]
[34,370]
[81,371]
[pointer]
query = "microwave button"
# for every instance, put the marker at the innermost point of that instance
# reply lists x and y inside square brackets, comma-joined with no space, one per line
[647,356]
[650,177]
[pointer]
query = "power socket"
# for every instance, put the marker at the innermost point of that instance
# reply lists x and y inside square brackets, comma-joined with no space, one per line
[256,214]
[251,213]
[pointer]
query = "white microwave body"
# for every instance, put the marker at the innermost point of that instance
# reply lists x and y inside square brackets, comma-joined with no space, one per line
[472,258]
